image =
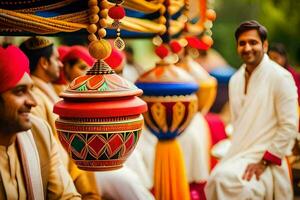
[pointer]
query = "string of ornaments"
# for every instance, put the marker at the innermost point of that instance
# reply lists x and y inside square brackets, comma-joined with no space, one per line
[100,48]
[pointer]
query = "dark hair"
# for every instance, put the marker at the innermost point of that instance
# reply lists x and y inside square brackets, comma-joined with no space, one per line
[251,25]
[129,49]
[279,48]
[71,62]
[34,55]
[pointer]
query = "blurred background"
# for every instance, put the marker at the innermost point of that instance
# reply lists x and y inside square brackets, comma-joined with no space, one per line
[281,18]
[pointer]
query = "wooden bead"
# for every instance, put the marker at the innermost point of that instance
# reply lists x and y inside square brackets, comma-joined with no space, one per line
[94,10]
[100,49]
[93,19]
[104,13]
[103,23]
[93,3]
[104,4]
[92,37]
[92,28]
[162,10]
[162,20]
[101,33]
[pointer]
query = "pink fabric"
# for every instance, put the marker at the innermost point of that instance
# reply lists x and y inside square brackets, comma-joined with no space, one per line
[13,65]
[195,42]
[115,59]
[217,130]
[81,52]
[272,158]
[197,191]
[63,50]
[296,77]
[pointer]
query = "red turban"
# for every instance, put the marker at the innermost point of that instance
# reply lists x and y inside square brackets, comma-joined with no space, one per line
[79,52]
[13,65]
[115,59]
[62,51]
[196,43]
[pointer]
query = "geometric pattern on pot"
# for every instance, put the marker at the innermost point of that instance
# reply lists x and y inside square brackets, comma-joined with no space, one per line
[105,148]
[100,144]
[167,117]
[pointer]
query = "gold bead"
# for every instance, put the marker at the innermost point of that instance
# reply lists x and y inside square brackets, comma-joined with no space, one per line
[92,37]
[104,13]
[100,49]
[94,10]
[162,10]
[162,20]
[103,23]
[104,4]
[93,3]
[92,28]
[93,19]
[101,33]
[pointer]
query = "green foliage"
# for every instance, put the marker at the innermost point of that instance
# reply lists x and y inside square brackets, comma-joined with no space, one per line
[280,17]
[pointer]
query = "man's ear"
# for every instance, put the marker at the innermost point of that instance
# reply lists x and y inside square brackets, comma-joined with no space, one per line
[43,62]
[266,46]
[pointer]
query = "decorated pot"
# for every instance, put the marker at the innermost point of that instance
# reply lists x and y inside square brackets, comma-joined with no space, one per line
[207,84]
[223,75]
[169,93]
[100,119]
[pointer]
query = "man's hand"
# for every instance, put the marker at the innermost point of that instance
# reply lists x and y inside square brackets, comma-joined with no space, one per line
[254,168]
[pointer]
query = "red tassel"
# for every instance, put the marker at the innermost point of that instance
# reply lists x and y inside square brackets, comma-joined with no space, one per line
[175,46]
[162,51]
[116,12]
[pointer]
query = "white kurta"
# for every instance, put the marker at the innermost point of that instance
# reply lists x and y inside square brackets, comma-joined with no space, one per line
[264,119]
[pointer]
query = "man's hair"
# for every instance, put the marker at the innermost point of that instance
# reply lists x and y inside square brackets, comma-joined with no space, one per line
[71,62]
[251,25]
[279,48]
[35,51]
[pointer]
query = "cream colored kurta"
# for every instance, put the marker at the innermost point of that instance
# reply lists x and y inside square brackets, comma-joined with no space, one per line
[11,173]
[54,180]
[264,119]
[46,97]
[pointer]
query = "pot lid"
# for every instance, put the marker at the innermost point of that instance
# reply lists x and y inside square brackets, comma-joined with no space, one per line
[112,108]
[100,82]
[167,79]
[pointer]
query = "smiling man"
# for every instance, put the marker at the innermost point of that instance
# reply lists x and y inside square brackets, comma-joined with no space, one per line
[30,166]
[45,68]
[263,103]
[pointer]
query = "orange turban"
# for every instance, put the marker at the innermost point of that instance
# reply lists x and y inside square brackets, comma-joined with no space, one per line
[13,65]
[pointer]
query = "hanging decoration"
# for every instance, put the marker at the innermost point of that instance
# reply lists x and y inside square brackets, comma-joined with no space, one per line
[117,13]
[98,47]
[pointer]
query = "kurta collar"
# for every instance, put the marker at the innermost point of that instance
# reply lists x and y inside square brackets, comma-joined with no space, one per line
[259,67]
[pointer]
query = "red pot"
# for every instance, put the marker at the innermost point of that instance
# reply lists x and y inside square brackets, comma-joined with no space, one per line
[100,119]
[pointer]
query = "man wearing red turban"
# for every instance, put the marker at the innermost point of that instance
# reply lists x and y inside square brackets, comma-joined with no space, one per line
[76,62]
[26,144]
[45,68]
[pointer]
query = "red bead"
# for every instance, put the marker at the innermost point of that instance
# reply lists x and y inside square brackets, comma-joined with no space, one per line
[175,46]
[116,12]
[162,51]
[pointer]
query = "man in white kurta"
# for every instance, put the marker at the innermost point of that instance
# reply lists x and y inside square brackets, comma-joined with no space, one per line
[263,102]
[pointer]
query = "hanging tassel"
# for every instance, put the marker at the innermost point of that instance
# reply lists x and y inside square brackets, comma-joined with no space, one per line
[170,181]
[117,13]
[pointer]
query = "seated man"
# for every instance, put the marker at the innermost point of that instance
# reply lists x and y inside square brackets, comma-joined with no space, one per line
[44,68]
[263,103]
[30,165]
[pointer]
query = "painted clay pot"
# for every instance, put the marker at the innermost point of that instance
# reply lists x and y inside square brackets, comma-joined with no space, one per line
[169,93]
[223,75]
[100,119]
[207,84]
